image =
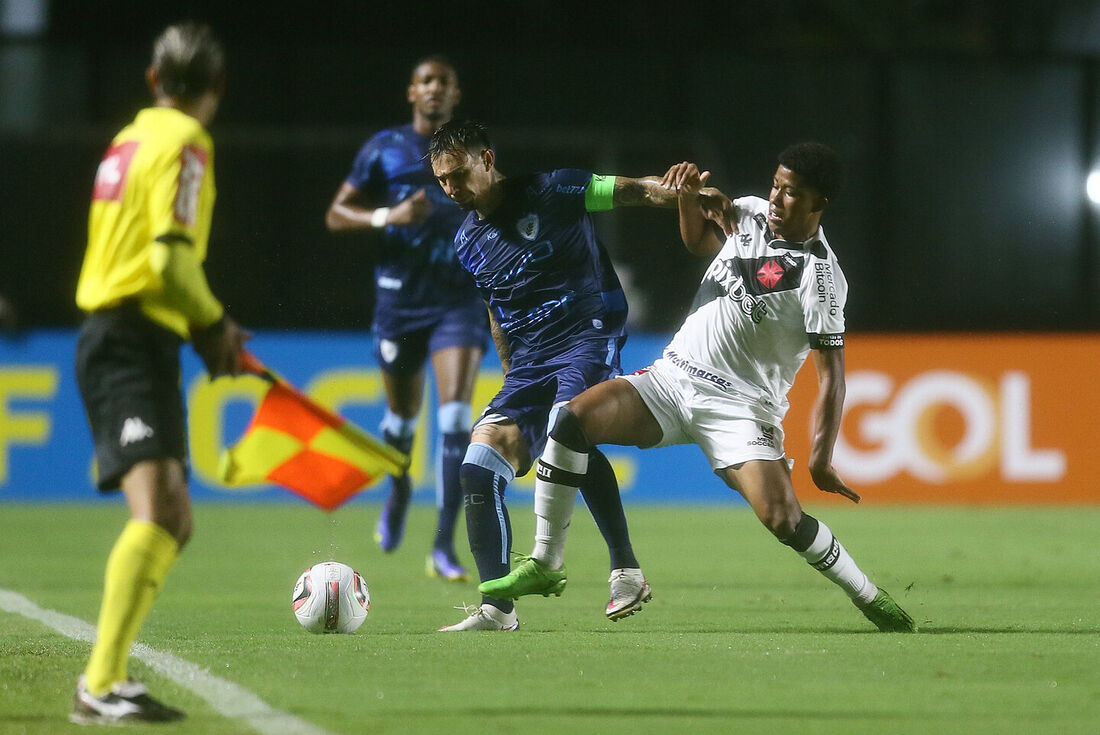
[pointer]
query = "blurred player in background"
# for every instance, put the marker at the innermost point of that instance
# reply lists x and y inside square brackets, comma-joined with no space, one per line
[426,303]
[773,293]
[558,317]
[144,291]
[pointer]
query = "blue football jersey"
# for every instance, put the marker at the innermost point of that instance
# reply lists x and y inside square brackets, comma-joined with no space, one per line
[416,272]
[538,264]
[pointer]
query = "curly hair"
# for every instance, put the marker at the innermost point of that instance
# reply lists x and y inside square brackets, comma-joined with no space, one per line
[817,165]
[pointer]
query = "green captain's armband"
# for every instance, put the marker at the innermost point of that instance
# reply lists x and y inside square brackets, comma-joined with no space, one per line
[599,194]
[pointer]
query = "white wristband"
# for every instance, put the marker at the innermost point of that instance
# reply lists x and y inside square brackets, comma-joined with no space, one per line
[378,217]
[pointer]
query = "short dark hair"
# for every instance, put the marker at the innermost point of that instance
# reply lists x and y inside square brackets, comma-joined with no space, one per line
[816,164]
[469,136]
[434,59]
[189,61]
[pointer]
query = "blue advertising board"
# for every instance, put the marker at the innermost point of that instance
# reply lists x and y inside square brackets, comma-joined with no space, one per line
[46,449]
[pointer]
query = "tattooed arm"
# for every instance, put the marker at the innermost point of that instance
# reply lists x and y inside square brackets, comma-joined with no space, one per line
[500,339]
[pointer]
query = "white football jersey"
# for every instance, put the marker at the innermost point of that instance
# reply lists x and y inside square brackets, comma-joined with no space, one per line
[762,304]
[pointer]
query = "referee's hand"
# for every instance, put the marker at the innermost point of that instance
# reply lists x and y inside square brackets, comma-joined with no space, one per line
[220,346]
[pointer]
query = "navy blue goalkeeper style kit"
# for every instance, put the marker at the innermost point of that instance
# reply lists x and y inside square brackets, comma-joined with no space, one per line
[550,285]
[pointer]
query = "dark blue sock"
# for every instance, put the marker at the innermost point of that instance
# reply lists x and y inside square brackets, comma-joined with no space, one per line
[452,450]
[601,494]
[487,525]
[401,487]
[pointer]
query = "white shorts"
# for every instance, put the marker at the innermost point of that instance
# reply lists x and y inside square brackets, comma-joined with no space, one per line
[696,412]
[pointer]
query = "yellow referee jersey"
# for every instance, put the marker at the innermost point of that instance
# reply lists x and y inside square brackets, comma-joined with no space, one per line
[155,184]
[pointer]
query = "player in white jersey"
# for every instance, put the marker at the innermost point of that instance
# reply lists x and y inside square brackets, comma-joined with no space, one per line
[773,292]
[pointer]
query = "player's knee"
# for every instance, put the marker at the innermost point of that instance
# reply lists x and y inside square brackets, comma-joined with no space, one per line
[480,468]
[781,519]
[568,430]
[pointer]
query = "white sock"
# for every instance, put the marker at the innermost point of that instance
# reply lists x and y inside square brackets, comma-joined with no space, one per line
[829,557]
[557,478]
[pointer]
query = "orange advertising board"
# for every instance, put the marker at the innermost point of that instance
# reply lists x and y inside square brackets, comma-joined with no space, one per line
[969,418]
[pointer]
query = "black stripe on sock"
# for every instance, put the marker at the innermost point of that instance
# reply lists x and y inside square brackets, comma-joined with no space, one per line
[557,475]
[830,557]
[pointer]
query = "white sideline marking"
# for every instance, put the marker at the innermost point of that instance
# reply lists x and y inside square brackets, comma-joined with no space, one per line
[225,697]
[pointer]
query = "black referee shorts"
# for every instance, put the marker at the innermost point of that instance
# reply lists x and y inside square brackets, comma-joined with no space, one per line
[128,370]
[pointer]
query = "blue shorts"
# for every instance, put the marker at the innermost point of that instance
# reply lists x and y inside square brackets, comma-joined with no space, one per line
[531,390]
[404,353]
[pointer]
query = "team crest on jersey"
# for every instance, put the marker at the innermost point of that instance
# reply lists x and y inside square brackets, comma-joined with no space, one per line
[770,273]
[528,226]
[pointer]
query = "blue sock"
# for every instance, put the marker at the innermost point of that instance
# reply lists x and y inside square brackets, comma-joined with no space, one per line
[487,522]
[449,488]
[601,494]
[401,487]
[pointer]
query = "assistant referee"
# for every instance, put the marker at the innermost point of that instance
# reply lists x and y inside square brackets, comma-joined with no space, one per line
[144,291]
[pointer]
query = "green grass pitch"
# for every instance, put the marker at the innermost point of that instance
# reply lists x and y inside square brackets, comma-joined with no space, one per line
[741,636]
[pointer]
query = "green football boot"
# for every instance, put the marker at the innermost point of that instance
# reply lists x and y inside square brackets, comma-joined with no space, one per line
[530,577]
[887,615]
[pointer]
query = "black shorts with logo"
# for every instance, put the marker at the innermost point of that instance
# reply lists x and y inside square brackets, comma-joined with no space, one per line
[128,371]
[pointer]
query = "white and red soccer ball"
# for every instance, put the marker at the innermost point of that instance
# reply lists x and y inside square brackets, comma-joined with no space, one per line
[331,598]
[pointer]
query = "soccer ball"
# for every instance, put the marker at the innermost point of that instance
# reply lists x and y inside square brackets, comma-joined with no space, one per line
[330,598]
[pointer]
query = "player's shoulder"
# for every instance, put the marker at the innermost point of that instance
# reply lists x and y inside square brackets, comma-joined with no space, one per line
[751,203]
[818,247]
[389,136]
[167,128]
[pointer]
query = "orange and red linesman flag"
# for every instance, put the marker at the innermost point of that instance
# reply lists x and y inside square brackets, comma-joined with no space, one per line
[306,448]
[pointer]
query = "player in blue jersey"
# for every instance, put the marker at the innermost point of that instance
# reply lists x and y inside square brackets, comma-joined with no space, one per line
[425,304]
[558,317]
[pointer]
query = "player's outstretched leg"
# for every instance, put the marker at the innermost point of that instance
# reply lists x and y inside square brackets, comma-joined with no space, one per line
[887,614]
[529,577]
[127,701]
[815,543]
[390,529]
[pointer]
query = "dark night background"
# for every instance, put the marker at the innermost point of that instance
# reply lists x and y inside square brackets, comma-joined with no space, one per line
[968,129]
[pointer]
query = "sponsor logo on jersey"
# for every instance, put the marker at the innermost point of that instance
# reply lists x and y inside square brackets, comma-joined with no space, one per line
[528,227]
[724,276]
[134,430]
[825,287]
[192,170]
[110,177]
[766,438]
[697,372]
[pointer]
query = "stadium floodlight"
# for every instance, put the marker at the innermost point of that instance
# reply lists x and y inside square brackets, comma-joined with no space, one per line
[1092,187]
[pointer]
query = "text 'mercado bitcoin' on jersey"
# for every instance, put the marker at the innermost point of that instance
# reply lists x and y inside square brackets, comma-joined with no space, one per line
[761,305]
[538,264]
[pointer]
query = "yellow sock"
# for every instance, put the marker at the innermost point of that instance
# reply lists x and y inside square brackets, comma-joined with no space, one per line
[136,569]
